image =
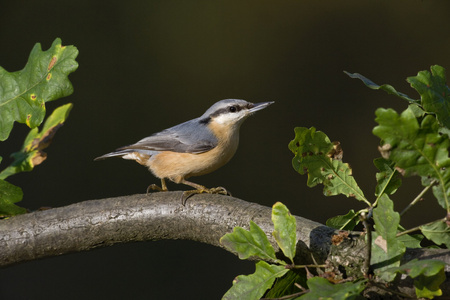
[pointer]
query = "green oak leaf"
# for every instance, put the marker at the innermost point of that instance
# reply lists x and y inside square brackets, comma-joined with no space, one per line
[417,149]
[31,153]
[428,274]
[321,288]
[434,93]
[316,155]
[10,194]
[286,285]
[387,250]
[44,78]
[442,191]
[385,87]
[250,243]
[394,129]
[438,232]
[345,222]
[249,287]
[420,113]
[388,178]
[411,240]
[428,286]
[285,229]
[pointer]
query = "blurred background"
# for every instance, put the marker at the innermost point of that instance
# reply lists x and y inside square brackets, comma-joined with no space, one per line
[148,65]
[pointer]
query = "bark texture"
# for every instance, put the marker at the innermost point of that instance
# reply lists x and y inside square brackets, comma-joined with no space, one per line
[98,223]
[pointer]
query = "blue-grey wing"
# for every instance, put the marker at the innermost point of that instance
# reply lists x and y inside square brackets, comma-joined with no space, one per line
[189,137]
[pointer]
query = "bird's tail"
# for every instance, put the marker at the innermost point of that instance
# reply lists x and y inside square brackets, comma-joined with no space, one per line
[119,153]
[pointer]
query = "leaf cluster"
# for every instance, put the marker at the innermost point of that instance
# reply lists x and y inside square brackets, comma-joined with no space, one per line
[279,275]
[23,95]
[254,243]
[414,142]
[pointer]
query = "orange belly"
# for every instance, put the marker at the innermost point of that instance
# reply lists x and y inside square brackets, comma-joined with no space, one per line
[178,166]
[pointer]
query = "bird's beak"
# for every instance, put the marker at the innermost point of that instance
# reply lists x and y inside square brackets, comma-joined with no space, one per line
[259,106]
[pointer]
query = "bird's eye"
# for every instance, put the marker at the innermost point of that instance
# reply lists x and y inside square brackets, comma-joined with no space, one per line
[233,109]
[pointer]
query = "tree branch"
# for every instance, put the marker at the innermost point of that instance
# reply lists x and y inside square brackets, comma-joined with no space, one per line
[99,223]
[156,216]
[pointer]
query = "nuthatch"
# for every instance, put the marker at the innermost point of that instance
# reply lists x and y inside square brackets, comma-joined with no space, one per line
[193,148]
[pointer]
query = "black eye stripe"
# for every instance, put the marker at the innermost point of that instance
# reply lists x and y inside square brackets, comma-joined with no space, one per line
[235,108]
[227,110]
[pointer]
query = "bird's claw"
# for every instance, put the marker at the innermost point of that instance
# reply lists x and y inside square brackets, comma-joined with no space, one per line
[218,190]
[155,187]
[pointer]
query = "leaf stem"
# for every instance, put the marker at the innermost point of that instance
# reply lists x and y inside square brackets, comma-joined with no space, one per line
[415,228]
[306,266]
[384,188]
[357,194]
[438,174]
[419,197]
[365,210]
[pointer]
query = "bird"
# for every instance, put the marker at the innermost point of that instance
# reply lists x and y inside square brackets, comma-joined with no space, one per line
[193,148]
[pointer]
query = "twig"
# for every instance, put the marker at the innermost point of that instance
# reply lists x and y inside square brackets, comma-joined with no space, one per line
[415,228]
[419,197]
[366,224]
[318,270]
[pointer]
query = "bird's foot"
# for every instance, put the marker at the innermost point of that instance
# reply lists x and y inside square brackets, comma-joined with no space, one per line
[155,187]
[219,190]
[216,190]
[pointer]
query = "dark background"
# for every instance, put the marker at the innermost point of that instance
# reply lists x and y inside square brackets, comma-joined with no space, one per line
[148,65]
